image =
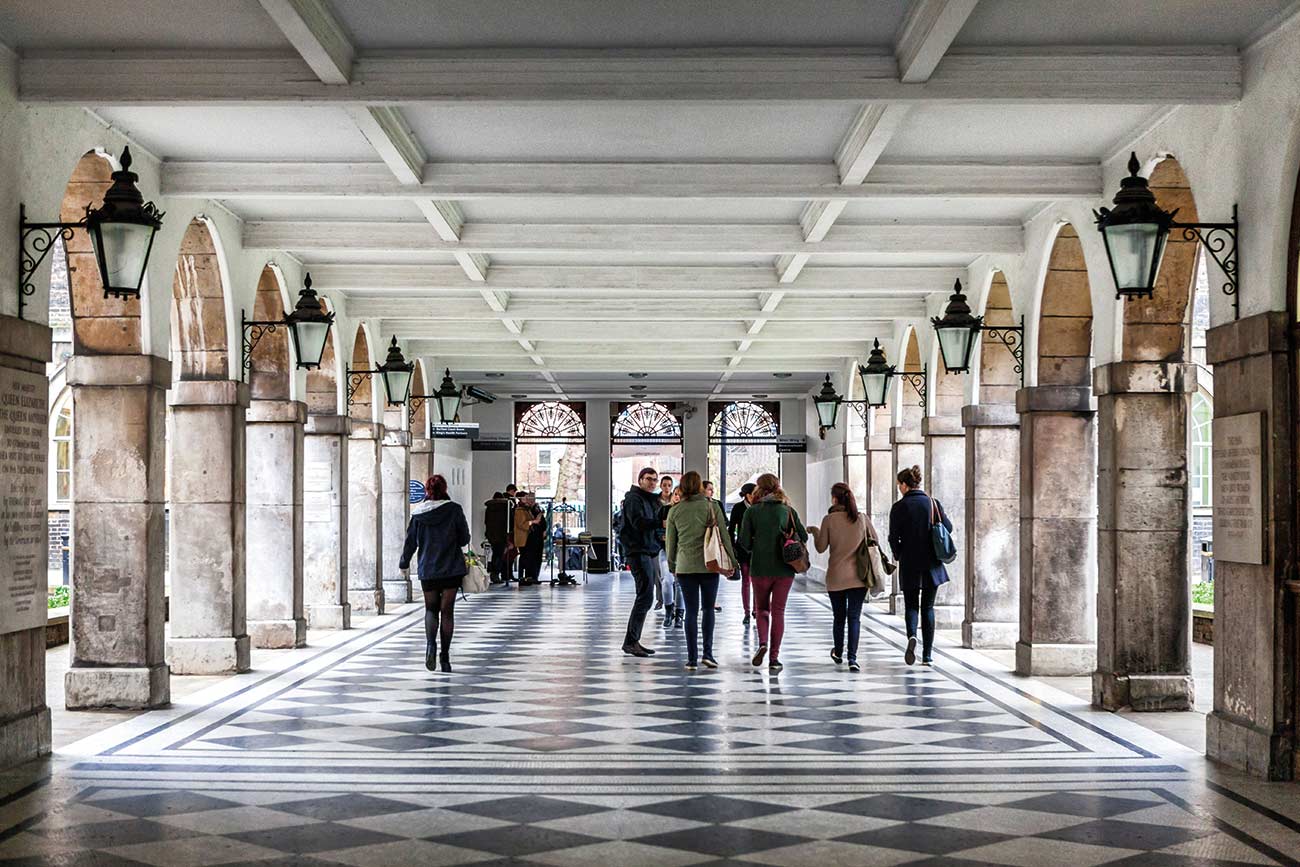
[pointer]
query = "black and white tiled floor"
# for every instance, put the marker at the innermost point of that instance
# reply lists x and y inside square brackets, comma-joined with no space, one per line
[548,746]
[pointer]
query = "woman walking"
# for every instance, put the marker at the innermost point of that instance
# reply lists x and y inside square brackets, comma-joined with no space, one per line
[843,531]
[920,574]
[439,530]
[687,522]
[767,523]
[671,588]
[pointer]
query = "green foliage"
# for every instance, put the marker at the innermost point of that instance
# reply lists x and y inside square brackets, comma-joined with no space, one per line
[1203,593]
[58,597]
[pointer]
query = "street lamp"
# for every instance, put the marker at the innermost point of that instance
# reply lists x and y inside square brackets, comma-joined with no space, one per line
[448,397]
[875,376]
[1136,234]
[957,331]
[121,230]
[396,373]
[827,403]
[308,325]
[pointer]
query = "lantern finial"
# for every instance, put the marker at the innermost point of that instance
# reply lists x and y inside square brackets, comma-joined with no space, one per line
[1133,165]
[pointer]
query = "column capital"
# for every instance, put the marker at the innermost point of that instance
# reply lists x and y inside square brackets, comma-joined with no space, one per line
[1261,334]
[1056,398]
[989,415]
[118,370]
[1144,377]
[942,426]
[276,411]
[366,430]
[904,435]
[208,392]
[421,445]
[24,341]
[878,443]
[394,438]
[325,425]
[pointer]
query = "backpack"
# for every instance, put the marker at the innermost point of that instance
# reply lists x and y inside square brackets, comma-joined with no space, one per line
[944,548]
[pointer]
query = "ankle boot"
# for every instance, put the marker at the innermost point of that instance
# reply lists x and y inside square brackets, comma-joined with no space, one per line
[444,660]
[430,639]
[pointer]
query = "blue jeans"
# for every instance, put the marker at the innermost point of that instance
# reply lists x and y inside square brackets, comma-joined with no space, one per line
[847,607]
[920,601]
[701,586]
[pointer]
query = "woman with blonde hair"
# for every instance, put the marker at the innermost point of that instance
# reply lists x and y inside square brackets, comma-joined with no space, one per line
[843,531]
[687,523]
[764,531]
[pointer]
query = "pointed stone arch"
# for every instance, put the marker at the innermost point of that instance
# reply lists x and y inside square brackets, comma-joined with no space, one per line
[418,418]
[271,375]
[998,377]
[200,348]
[1065,315]
[361,406]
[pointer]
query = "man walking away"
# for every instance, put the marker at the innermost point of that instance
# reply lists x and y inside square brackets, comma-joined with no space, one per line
[638,536]
[496,527]
[742,556]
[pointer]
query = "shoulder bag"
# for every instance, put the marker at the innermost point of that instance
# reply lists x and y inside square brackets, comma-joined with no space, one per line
[794,553]
[476,579]
[944,548]
[870,568]
[716,558]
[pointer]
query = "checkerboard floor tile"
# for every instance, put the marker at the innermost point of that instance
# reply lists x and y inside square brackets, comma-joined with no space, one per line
[547,746]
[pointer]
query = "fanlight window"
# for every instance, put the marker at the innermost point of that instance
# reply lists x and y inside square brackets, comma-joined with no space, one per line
[647,423]
[743,423]
[549,422]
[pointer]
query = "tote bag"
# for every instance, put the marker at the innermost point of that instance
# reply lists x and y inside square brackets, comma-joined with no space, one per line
[716,558]
[944,548]
[870,568]
[793,552]
[475,580]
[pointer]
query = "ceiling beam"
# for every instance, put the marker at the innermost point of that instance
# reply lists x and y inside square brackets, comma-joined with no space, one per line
[421,312]
[926,34]
[610,359]
[995,177]
[316,34]
[712,238]
[623,331]
[1105,75]
[566,281]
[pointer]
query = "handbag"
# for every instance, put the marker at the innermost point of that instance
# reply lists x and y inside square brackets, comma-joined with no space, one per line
[716,557]
[475,580]
[794,553]
[870,569]
[944,548]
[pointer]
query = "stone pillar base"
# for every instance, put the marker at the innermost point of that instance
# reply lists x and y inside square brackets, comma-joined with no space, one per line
[209,655]
[25,738]
[1055,660]
[896,604]
[1143,692]
[989,634]
[397,590]
[329,616]
[949,616]
[278,634]
[367,601]
[1258,752]
[120,688]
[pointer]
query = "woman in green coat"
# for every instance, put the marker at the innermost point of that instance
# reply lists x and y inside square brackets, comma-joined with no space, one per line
[684,537]
[762,533]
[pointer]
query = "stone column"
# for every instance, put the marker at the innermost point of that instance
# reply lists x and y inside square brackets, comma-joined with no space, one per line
[24,716]
[945,480]
[209,633]
[325,522]
[1256,605]
[365,586]
[275,527]
[1058,531]
[908,449]
[992,526]
[421,459]
[880,492]
[118,607]
[395,470]
[1144,606]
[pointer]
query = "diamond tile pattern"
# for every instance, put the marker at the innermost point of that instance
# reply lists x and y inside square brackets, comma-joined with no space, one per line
[547,746]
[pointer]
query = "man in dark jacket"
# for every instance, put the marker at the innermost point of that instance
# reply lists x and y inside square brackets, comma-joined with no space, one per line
[496,527]
[641,547]
[742,556]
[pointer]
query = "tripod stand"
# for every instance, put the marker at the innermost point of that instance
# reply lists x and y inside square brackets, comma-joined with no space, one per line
[563,576]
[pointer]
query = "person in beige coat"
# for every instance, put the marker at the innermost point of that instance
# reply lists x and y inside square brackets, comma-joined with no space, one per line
[842,532]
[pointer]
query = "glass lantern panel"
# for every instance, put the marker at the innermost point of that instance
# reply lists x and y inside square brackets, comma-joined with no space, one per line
[125,251]
[1133,249]
[398,384]
[954,345]
[311,337]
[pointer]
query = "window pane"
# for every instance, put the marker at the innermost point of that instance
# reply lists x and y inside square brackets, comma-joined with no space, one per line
[63,485]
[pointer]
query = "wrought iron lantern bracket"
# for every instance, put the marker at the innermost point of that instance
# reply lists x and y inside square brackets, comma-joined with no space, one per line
[355,378]
[1013,338]
[919,380]
[253,330]
[415,401]
[1220,242]
[36,240]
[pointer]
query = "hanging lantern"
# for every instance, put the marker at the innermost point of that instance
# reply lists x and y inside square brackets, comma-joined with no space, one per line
[828,405]
[448,397]
[1135,232]
[876,376]
[310,326]
[122,231]
[396,372]
[957,331]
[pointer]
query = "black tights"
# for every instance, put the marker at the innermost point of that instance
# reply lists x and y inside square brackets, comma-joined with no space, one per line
[440,602]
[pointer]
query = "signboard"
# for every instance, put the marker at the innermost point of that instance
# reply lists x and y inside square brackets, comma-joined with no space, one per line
[454,431]
[415,491]
[790,444]
[490,442]
[24,550]
[1238,488]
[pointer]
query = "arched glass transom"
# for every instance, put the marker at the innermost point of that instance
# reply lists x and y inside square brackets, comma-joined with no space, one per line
[743,422]
[647,423]
[550,422]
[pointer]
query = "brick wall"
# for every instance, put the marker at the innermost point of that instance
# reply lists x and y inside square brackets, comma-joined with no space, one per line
[60,525]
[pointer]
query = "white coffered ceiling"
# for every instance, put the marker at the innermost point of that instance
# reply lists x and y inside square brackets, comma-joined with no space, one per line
[570,190]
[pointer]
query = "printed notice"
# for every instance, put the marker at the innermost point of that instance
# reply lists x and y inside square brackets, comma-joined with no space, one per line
[1238,469]
[23,544]
[320,492]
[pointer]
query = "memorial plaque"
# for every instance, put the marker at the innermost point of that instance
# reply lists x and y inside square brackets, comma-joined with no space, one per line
[1238,488]
[24,551]
[320,492]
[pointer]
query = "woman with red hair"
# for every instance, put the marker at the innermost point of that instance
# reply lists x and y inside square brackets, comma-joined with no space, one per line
[439,530]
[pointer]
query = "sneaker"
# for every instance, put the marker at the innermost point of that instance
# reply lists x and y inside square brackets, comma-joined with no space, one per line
[646,650]
[909,655]
[927,662]
[709,662]
[837,657]
[679,621]
[853,667]
[775,667]
[634,650]
[759,656]
[690,666]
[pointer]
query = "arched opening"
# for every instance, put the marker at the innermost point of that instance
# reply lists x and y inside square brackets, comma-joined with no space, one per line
[322,382]
[418,420]
[360,389]
[992,527]
[742,444]
[272,365]
[365,516]
[551,453]
[1058,477]
[198,311]
[325,498]
[1144,612]
[642,434]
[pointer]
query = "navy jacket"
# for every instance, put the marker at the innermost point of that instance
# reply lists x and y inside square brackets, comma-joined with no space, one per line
[439,529]
[911,542]
[640,521]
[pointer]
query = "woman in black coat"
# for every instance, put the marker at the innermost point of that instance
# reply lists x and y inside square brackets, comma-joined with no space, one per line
[920,574]
[439,530]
